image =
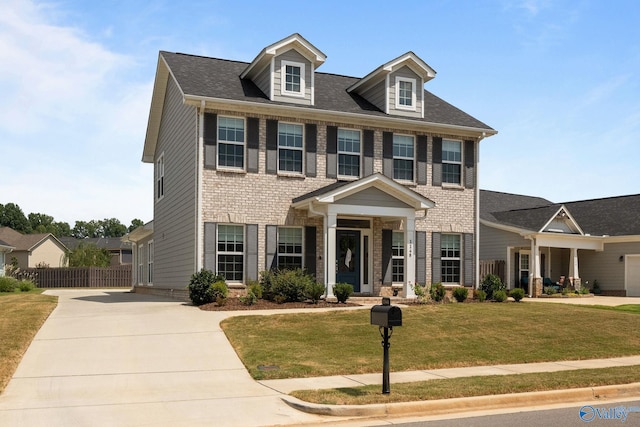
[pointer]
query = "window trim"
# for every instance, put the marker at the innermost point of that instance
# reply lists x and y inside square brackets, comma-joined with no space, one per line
[413,82]
[458,258]
[449,162]
[159,172]
[283,78]
[140,260]
[301,149]
[243,253]
[398,257]
[150,256]
[301,255]
[349,153]
[223,141]
[413,159]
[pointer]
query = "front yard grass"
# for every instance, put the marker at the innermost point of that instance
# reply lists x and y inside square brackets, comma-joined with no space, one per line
[432,336]
[21,316]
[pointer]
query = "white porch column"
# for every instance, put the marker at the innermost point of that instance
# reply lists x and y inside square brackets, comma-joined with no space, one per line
[410,267]
[573,265]
[330,232]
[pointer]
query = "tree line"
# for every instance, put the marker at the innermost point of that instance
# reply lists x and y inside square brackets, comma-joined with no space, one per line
[35,223]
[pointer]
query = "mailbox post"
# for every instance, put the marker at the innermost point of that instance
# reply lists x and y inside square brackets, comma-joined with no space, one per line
[386,316]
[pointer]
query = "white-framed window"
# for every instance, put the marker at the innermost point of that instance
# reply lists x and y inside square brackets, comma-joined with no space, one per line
[293,78]
[150,262]
[405,93]
[450,258]
[290,147]
[397,257]
[451,161]
[231,142]
[160,177]
[230,238]
[403,157]
[349,153]
[140,278]
[290,253]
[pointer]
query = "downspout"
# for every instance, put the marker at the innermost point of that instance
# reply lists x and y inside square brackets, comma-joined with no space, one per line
[477,219]
[325,232]
[199,172]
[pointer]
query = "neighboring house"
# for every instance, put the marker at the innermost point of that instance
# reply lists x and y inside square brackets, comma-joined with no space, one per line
[5,248]
[582,241]
[121,252]
[34,250]
[270,164]
[141,241]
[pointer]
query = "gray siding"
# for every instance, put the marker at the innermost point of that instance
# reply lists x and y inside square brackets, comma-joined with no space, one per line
[292,55]
[376,95]
[372,197]
[405,72]
[263,80]
[493,243]
[175,214]
[606,266]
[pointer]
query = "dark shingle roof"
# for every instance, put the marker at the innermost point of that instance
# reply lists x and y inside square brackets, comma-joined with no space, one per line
[220,78]
[613,216]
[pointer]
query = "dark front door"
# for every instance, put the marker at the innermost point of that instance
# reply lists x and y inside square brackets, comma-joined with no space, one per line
[348,254]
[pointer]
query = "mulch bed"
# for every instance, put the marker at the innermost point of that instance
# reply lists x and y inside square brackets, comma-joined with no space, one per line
[234,304]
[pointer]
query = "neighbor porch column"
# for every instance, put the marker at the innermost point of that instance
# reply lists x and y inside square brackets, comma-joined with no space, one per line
[410,267]
[573,268]
[331,224]
[535,279]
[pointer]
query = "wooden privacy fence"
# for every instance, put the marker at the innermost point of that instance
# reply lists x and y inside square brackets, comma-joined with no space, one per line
[80,277]
[497,267]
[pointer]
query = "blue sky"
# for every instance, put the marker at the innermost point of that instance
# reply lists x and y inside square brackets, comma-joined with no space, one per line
[559,80]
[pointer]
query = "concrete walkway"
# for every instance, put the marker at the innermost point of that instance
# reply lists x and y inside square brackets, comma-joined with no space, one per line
[112,358]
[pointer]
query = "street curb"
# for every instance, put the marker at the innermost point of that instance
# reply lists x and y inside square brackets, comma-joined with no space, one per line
[464,404]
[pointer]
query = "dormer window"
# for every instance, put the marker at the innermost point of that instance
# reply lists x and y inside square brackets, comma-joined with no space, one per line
[293,78]
[405,93]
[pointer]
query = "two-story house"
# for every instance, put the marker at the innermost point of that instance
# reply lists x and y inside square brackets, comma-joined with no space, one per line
[271,164]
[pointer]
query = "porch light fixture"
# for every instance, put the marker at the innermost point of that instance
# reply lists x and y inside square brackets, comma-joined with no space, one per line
[621,258]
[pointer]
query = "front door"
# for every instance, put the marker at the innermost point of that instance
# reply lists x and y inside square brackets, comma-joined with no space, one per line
[524,270]
[348,258]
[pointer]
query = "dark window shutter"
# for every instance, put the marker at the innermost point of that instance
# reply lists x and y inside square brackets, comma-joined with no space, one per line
[469,164]
[387,154]
[310,250]
[387,252]
[251,264]
[367,151]
[311,147]
[421,257]
[210,246]
[332,150]
[436,263]
[210,137]
[253,144]
[437,161]
[272,146]
[468,266]
[421,155]
[271,247]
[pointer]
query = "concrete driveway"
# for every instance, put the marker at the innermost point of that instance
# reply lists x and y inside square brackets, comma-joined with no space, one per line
[112,358]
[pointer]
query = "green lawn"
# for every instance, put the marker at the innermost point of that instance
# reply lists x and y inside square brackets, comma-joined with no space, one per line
[21,316]
[433,336]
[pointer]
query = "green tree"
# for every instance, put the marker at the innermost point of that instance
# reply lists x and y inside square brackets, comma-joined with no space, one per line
[111,227]
[135,223]
[12,216]
[85,229]
[88,255]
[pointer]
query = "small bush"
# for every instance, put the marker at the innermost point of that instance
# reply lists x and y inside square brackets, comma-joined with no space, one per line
[342,291]
[549,290]
[499,296]
[517,294]
[422,295]
[460,294]
[220,292]
[256,288]
[290,284]
[26,286]
[437,292]
[200,291]
[8,284]
[266,283]
[490,284]
[314,291]
[480,295]
[248,299]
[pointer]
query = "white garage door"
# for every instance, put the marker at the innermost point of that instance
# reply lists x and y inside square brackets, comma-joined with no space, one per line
[633,275]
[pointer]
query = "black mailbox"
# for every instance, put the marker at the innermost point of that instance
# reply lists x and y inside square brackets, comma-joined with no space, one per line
[386,316]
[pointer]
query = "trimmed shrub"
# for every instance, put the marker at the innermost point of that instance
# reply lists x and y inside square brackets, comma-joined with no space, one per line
[290,285]
[314,291]
[256,288]
[342,291]
[549,290]
[422,296]
[499,296]
[8,284]
[200,291]
[220,292]
[437,292]
[517,294]
[460,294]
[248,299]
[266,282]
[26,286]
[490,284]
[481,295]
